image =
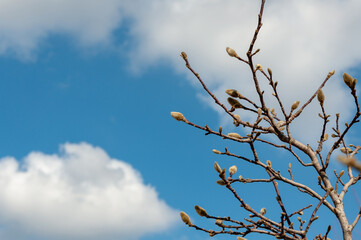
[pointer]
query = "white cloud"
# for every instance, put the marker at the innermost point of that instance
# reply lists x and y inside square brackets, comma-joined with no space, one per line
[301,41]
[81,193]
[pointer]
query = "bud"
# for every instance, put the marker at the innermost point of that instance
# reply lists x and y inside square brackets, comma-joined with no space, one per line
[320,96]
[289,165]
[259,67]
[236,122]
[295,105]
[231,52]
[333,135]
[234,103]
[269,72]
[259,111]
[219,222]
[217,167]
[269,163]
[353,84]
[241,238]
[233,93]
[178,116]
[201,212]
[234,135]
[221,182]
[263,211]
[184,55]
[216,151]
[232,170]
[299,219]
[185,218]
[331,73]
[341,173]
[212,234]
[300,213]
[345,150]
[240,178]
[348,80]
[325,137]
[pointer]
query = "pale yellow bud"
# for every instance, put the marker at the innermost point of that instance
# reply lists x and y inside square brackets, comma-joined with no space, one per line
[232,170]
[184,55]
[201,212]
[219,222]
[299,219]
[234,135]
[185,218]
[301,213]
[289,165]
[233,93]
[259,111]
[216,151]
[240,178]
[263,211]
[241,238]
[325,137]
[295,105]
[331,73]
[320,96]
[341,173]
[269,72]
[178,116]
[231,52]
[259,67]
[217,167]
[345,150]
[347,79]
[269,163]
[234,103]
[236,122]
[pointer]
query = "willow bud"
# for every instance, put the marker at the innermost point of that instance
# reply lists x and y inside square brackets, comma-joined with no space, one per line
[231,52]
[185,218]
[178,116]
[201,212]
[295,105]
[320,96]
[232,170]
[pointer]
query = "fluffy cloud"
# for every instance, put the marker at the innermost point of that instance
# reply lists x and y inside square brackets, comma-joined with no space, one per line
[301,41]
[81,193]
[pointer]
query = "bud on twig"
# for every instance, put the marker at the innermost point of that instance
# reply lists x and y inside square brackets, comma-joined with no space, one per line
[345,150]
[331,73]
[184,56]
[234,135]
[263,211]
[178,116]
[221,182]
[234,103]
[269,72]
[341,173]
[259,67]
[233,93]
[217,167]
[320,96]
[231,52]
[295,105]
[350,82]
[201,212]
[232,170]
[269,163]
[185,218]
[216,151]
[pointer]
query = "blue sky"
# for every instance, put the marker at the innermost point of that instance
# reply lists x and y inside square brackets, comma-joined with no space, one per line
[88,147]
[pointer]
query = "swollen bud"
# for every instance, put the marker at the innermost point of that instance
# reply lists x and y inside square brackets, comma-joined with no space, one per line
[331,73]
[259,67]
[269,163]
[178,116]
[263,211]
[269,72]
[320,96]
[217,167]
[232,170]
[346,150]
[234,103]
[341,173]
[233,93]
[231,52]
[348,80]
[201,212]
[216,151]
[221,182]
[234,135]
[184,56]
[295,105]
[185,218]
[259,111]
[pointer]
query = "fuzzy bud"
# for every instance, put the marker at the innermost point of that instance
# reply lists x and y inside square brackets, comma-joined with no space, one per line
[269,72]
[331,73]
[212,234]
[185,218]
[236,122]
[178,116]
[240,178]
[219,222]
[233,93]
[231,52]
[263,211]
[234,103]
[300,213]
[201,212]
[184,56]
[241,238]
[269,163]
[232,170]
[259,111]
[217,167]
[259,67]
[234,135]
[320,96]
[289,165]
[325,137]
[347,79]
[216,151]
[341,173]
[295,105]
[345,150]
